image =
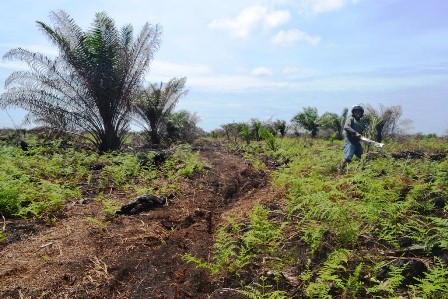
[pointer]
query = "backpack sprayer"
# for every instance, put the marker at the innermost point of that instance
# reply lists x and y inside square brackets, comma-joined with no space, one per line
[371,142]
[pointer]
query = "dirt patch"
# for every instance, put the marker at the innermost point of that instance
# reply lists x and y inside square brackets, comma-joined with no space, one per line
[137,256]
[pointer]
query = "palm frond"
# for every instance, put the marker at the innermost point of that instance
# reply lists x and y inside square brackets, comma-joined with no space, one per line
[90,84]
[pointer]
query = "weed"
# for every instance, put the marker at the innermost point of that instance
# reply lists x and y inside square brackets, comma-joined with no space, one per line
[111,207]
[434,284]
[237,244]
[263,290]
[2,236]
[120,171]
[391,284]
[190,161]
[96,223]
[329,277]
[268,137]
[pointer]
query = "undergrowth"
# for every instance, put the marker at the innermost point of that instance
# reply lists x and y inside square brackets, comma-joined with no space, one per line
[378,229]
[38,182]
[361,228]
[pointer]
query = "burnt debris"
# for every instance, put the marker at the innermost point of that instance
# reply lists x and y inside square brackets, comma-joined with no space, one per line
[142,203]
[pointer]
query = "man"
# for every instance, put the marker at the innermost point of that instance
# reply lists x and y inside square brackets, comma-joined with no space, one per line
[353,130]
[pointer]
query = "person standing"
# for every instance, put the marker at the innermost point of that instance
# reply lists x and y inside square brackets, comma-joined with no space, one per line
[353,130]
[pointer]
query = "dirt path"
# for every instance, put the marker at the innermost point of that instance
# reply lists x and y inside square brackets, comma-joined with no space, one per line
[137,256]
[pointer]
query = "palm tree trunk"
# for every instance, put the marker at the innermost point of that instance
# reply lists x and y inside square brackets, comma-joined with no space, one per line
[110,141]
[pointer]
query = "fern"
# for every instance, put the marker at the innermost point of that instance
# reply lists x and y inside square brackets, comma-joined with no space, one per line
[389,285]
[434,284]
[200,263]
[313,234]
[329,276]
[307,274]
[227,255]
[261,233]
[110,207]
[233,250]
[2,236]
[263,291]
[353,284]
[440,237]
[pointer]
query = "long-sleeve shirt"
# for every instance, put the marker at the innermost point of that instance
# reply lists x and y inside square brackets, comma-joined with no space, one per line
[351,127]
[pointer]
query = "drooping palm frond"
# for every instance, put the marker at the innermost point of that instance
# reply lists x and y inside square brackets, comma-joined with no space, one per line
[154,104]
[89,86]
[385,122]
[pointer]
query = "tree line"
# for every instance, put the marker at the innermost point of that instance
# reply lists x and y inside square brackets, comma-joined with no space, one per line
[382,124]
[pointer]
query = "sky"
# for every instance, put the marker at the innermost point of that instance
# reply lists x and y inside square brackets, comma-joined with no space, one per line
[269,59]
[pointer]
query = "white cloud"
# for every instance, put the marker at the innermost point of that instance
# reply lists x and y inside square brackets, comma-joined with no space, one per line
[250,19]
[321,6]
[202,77]
[294,35]
[261,71]
[164,70]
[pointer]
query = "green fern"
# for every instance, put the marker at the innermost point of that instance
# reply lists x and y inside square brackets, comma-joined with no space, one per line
[262,234]
[434,284]
[391,284]
[440,236]
[200,263]
[353,284]
[227,255]
[234,250]
[330,275]
[263,291]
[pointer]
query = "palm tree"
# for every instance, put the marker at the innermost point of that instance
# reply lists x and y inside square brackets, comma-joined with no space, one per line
[280,126]
[334,122]
[182,125]
[89,86]
[308,120]
[385,121]
[153,106]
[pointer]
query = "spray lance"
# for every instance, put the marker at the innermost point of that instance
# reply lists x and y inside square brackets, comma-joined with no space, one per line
[371,142]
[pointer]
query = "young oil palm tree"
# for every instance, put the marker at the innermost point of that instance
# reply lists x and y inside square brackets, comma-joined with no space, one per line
[308,120]
[87,88]
[182,125]
[385,122]
[153,106]
[334,122]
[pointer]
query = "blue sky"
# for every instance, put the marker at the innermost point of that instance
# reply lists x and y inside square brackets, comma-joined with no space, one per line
[269,59]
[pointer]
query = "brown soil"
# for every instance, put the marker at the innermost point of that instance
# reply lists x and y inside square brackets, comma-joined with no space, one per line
[138,256]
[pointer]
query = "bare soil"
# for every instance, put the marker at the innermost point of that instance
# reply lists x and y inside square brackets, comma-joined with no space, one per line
[138,256]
